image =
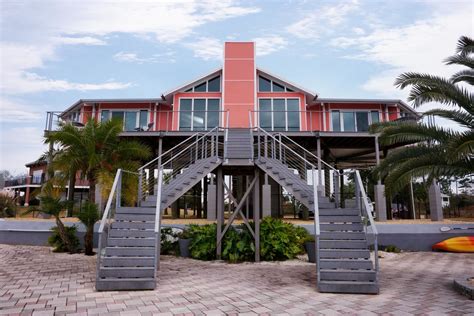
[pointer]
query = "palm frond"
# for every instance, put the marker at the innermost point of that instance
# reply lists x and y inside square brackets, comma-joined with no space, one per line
[466,75]
[462,147]
[413,133]
[461,117]
[462,60]
[465,45]
[427,88]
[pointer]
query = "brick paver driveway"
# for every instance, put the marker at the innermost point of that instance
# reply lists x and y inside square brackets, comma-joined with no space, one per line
[35,281]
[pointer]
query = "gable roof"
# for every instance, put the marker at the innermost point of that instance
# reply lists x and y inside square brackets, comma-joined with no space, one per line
[310,95]
[168,95]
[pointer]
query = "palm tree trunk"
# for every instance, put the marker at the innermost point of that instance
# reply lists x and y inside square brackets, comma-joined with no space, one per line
[89,241]
[70,193]
[92,185]
[63,234]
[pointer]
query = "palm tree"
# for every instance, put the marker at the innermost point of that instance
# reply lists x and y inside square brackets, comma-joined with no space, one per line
[436,151]
[96,150]
[88,216]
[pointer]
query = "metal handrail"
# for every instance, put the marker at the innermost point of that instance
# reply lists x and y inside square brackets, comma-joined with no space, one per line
[368,210]
[317,228]
[106,216]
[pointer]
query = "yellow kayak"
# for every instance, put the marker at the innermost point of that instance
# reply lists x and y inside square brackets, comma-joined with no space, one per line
[456,244]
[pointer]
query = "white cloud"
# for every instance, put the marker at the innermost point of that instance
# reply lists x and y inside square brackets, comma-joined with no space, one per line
[321,21]
[206,48]
[20,145]
[29,43]
[269,44]
[420,47]
[131,57]
[17,112]
[86,40]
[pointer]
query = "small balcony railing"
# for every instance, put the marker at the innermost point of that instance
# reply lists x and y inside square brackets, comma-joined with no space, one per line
[145,121]
[25,180]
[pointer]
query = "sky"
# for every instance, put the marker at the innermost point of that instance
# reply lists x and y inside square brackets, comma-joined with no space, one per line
[53,53]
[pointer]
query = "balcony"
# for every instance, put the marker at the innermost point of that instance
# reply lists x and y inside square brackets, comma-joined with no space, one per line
[143,120]
[25,180]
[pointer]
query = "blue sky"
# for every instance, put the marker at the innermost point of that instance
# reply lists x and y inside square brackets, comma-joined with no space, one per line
[53,53]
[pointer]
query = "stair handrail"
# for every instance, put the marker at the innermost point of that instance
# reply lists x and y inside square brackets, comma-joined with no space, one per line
[158,220]
[198,138]
[116,191]
[307,151]
[317,228]
[368,213]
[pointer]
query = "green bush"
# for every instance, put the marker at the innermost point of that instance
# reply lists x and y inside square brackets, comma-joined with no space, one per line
[203,243]
[238,245]
[55,239]
[280,240]
[169,241]
[7,206]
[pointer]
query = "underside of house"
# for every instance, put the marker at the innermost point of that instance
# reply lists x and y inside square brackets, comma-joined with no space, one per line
[245,140]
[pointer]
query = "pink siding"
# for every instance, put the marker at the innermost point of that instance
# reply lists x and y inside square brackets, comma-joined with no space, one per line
[239,82]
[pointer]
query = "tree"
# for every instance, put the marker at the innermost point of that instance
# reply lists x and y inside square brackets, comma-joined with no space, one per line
[437,151]
[88,216]
[97,151]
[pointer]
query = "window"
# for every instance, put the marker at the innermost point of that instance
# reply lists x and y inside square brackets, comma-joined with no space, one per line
[131,120]
[37,177]
[267,85]
[198,114]
[354,121]
[279,114]
[264,85]
[336,121]
[211,85]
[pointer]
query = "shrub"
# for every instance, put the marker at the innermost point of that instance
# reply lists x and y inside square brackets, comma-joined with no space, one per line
[203,243]
[280,240]
[169,241]
[238,245]
[7,205]
[56,241]
[88,216]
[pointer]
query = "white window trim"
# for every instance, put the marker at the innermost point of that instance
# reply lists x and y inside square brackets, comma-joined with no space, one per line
[341,118]
[207,86]
[271,86]
[205,111]
[137,120]
[286,111]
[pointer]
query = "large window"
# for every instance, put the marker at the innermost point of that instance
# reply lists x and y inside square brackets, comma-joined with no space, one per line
[279,114]
[136,120]
[353,121]
[267,85]
[211,85]
[198,114]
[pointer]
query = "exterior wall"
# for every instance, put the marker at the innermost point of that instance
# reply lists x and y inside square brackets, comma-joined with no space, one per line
[239,86]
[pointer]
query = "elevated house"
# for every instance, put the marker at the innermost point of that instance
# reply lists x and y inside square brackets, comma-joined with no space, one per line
[264,134]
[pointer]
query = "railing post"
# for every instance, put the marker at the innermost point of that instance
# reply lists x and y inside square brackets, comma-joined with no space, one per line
[279,149]
[140,183]
[118,196]
[337,196]
[265,150]
[258,143]
[316,225]
[357,195]
[158,220]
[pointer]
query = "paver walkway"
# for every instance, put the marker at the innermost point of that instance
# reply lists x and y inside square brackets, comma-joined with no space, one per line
[35,281]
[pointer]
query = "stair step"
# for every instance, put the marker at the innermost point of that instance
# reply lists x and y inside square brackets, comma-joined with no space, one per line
[135,210]
[126,272]
[348,287]
[344,253]
[130,251]
[111,284]
[131,242]
[347,275]
[339,211]
[128,261]
[343,244]
[131,233]
[346,264]
[133,225]
[135,217]
[342,227]
[339,219]
[343,236]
